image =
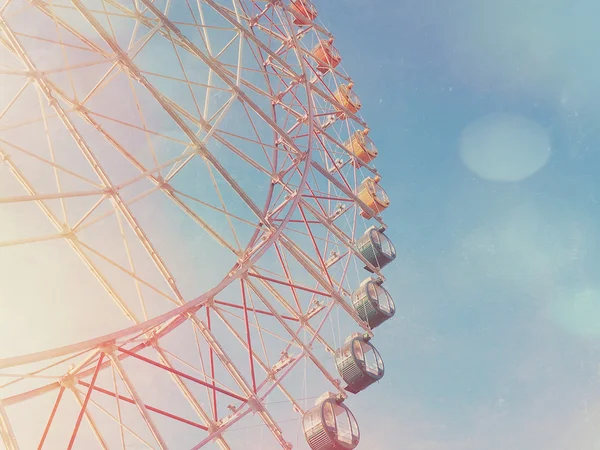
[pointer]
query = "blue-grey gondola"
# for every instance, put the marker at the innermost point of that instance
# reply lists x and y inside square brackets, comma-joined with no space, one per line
[359,363]
[376,248]
[330,425]
[373,303]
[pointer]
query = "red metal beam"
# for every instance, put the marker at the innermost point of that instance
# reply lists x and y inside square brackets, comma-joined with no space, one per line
[287,275]
[149,408]
[181,374]
[51,418]
[302,288]
[258,311]
[85,402]
[312,238]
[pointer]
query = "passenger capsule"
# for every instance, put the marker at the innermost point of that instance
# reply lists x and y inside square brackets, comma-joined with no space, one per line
[330,425]
[304,12]
[348,98]
[373,195]
[359,363]
[362,147]
[326,55]
[376,247]
[373,303]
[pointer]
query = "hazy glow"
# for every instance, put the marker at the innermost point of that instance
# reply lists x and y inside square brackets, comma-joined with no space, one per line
[502,147]
[577,311]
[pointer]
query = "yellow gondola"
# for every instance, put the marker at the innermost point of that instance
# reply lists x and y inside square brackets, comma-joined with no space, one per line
[372,195]
[348,98]
[362,147]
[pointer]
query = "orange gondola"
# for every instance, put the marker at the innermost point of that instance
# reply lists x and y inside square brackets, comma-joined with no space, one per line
[326,55]
[372,195]
[304,12]
[362,147]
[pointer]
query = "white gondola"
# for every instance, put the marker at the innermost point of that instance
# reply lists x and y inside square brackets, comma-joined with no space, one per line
[376,247]
[373,303]
[359,363]
[330,425]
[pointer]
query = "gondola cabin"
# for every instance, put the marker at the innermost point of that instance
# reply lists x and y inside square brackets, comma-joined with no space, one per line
[362,147]
[373,303]
[304,12]
[372,195]
[348,98]
[326,55]
[376,248]
[330,425]
[359,363]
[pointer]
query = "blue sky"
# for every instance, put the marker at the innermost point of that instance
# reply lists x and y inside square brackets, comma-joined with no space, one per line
[496,283]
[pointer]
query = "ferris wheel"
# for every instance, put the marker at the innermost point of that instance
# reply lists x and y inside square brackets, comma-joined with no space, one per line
[190,222]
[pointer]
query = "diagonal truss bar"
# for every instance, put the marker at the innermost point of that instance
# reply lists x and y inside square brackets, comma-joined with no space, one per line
[270,371]
[254,310]
[90,420]
[296,253]
[292,285]
[138,401]
[85,402]
[51,418]
[296,338]
[286,271]
[264,394]
[6,432]
[148,407]
[241,382]
[302,319]
[248,336]
[211,425]
[181,374]
[211,356]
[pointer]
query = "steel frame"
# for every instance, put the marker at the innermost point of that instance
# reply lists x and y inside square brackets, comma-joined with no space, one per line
[306,185]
